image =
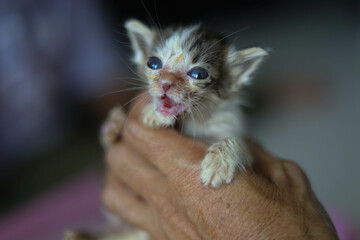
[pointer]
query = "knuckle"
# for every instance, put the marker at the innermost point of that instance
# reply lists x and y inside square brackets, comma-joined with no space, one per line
[295,172]
[292,167]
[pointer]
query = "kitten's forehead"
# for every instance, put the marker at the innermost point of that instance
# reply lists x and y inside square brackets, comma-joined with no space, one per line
[194,45]
[172,42]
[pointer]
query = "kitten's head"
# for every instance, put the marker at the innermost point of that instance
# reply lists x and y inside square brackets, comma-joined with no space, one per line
[189,66]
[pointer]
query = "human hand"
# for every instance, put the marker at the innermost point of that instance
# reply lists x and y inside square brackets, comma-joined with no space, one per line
[153,182]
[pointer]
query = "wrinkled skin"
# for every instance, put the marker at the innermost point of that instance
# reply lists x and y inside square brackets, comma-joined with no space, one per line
[153,181]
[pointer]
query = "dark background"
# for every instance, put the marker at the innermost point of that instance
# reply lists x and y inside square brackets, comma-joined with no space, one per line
[305,103]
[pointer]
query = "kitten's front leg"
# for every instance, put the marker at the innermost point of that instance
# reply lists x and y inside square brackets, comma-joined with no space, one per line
[222,160]
[152,118]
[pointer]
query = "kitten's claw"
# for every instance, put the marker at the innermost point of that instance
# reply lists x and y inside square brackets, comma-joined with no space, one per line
[221,162]
[111,128]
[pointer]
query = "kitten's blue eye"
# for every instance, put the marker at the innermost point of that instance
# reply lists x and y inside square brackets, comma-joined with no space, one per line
[154,63]
[198,73]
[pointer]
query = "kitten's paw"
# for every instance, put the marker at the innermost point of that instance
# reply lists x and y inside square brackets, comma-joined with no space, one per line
[222,160]
[111,128]
[153,119]
[216,170]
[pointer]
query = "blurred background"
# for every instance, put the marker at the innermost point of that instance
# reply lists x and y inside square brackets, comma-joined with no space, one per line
[59,57]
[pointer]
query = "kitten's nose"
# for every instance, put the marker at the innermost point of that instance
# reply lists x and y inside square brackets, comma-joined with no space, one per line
[166,85]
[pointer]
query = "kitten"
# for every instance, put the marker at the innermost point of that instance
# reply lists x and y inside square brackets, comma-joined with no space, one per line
[194,77]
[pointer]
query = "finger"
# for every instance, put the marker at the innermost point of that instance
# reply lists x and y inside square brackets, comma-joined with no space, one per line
[267,165]
[125,203]
[167,149]
[140,175]
[297,178]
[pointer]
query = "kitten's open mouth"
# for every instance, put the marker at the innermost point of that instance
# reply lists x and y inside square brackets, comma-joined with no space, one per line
[169,107]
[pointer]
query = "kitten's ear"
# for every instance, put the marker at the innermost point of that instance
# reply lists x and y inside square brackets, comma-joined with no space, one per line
[242,64]
[141,38]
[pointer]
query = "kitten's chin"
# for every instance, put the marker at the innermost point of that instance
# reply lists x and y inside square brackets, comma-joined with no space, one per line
[168,107]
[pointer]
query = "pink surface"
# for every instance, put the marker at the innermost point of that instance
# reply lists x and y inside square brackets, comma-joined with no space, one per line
[77,205]
[73,205]
[345,227]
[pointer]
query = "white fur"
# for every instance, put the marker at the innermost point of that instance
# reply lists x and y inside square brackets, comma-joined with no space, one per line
[227,152]
[135,30]
[243,63]
[152,118]
[222,160]
[225,121]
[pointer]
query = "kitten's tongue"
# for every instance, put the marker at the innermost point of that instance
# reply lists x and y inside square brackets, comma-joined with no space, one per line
[169,107]
[168,103]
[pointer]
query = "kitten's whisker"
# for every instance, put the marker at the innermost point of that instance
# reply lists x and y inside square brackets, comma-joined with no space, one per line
[216,51]
[147,98]
[134,72]
[205,108]
[133,89]
[131,83]
[193,120]
[140,84]
[153,21]
[120,91]
[204,122]
[198,112]
[159,31]
[118,32]
[157,17]
[209,99]
[182,124]
[134,98]
[127,44]
[136,84]
[223,38]
[199,104]
[194,104]
[131,78]
[138,79]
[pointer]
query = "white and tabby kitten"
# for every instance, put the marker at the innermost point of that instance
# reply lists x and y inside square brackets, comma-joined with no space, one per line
[193,75]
